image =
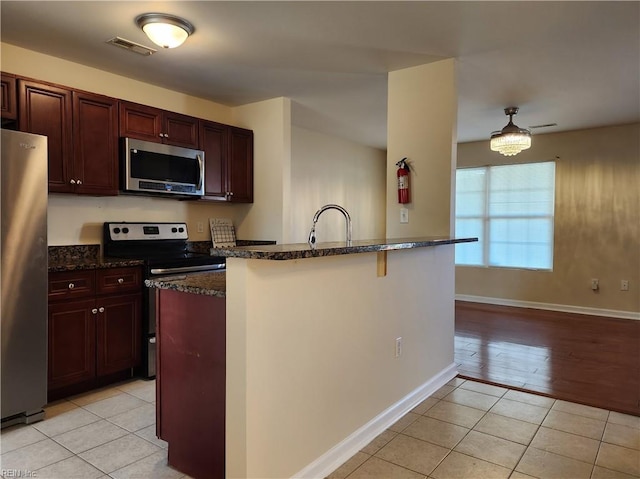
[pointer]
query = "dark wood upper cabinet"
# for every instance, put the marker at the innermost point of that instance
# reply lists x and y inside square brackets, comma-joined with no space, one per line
[240,165]
[214,143]
[228,156]
[8,98]
[95,141]
[46,110]
[82,132]
[153,124]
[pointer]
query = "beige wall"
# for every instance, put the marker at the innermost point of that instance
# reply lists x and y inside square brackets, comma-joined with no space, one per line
[421,125]
[326,169]
[270,121]
[597,222]
[313,358]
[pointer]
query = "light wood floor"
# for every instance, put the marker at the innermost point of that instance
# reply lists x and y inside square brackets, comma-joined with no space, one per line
[585,359]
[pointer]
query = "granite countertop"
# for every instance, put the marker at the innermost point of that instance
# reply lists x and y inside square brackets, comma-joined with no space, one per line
[91,263]
[303,250]
[210,284]
[78,257]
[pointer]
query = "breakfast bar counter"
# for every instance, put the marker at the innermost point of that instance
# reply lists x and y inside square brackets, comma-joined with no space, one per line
[300,356]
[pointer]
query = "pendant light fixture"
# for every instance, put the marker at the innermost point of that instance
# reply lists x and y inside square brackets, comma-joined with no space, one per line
[511,140]
[167,31]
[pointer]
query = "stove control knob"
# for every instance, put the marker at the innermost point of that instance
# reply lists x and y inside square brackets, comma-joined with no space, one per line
[125,230]
[174,230]
[116,230]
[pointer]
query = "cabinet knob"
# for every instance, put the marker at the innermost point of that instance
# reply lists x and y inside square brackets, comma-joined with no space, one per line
[166,135]
[152,341]
[71,285]
[161,135]
[101,309]
[231,193]
[120,280]
[73,182]
[78,182]
[94,311]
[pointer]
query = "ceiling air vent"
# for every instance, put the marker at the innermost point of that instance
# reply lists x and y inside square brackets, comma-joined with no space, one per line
[132,46]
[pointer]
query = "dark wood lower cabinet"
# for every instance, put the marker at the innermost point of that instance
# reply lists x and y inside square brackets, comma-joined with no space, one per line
[72,354]
[94,328]
[190,382]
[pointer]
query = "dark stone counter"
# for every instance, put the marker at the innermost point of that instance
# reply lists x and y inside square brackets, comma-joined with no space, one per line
[303,250]
[77,257]
[209,284]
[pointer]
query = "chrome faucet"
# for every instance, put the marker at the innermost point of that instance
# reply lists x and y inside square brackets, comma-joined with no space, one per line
[347,219]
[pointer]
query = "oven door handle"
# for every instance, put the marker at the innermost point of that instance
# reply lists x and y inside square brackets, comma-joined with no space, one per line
[189,269]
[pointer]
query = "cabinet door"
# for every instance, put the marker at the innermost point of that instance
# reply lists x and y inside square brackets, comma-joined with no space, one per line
[213,141]
[46,110]
[8,100]
[140,121]
[240,165]
[118,333]
[180,130]
[72,355]
[95,133]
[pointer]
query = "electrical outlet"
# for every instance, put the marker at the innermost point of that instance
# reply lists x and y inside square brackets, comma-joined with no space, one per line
[200,227]
[404,215]
[624,285]
[398,347]
[595,284]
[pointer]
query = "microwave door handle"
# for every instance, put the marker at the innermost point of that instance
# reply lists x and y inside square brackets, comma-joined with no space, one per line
[201,164]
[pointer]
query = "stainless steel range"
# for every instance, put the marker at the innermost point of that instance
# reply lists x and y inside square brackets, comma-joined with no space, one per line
[164,249]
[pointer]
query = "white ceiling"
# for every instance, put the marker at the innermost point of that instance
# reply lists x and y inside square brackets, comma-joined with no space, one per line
[576,64]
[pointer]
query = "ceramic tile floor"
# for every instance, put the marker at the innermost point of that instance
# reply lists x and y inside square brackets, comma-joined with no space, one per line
[107,433]
[465,430]
[471,430]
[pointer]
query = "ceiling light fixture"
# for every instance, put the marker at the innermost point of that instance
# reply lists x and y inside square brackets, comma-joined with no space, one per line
[165,30]
[512,139]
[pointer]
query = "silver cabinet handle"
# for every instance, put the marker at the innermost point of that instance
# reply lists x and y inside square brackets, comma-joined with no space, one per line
[101,309]
[231,193]
[71,285]
[78,182]
[73,182]
[152,340]
[94,311]
[161,135]
[120,280]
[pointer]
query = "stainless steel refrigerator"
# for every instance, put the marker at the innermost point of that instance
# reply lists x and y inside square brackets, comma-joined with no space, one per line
[23,281]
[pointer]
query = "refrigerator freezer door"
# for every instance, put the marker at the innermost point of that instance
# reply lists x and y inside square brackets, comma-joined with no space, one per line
[23,282]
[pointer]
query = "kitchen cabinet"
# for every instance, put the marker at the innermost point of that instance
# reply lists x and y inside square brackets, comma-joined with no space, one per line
[191,332]
[160,126]
[94,324]
[8,98]
[82,131]
[228,155]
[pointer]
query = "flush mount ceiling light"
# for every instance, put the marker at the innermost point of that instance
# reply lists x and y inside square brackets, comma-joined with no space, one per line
[512,139]
[165,30]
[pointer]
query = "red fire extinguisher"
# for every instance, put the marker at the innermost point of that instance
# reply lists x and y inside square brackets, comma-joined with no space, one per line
[404,195]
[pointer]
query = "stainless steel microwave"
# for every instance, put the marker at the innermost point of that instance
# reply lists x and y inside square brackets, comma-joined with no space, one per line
[158,169]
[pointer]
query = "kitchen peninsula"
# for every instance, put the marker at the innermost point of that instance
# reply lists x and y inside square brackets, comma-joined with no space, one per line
[298,357]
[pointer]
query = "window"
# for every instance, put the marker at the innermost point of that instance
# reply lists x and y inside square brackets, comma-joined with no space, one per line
[510,210]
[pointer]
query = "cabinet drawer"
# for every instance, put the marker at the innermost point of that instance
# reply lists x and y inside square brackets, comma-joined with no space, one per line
[116,280]
[71,284]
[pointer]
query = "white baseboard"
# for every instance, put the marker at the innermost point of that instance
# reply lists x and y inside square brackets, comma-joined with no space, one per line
[345,449]
[565,308]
